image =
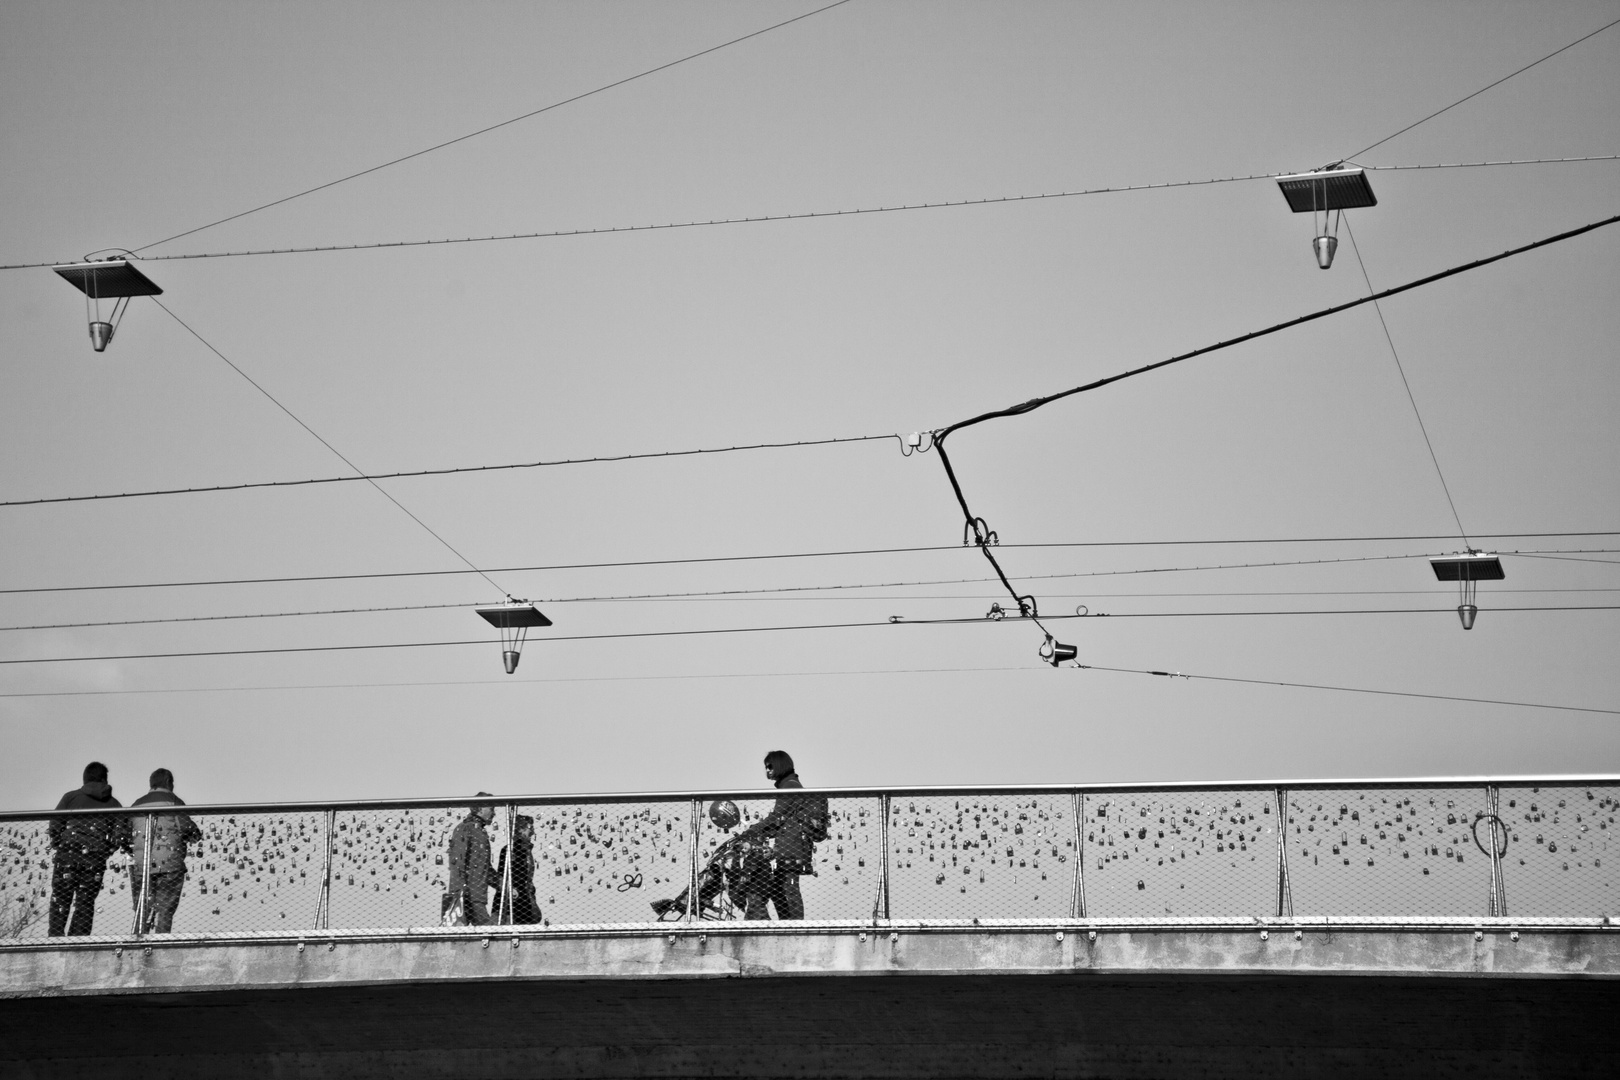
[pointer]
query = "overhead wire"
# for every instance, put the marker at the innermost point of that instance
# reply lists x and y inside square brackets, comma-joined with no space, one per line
[1352,689]
[776,594]
[540,568]
[1481,90]
[806,215]
[1412,398]
[449,471]
[789,628]
[985,538]
[318,438]
[938,436]
[494,127]
[687,676]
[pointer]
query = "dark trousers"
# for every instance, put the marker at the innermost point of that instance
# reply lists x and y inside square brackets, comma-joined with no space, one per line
[161,902]
[74,887]
[781,887]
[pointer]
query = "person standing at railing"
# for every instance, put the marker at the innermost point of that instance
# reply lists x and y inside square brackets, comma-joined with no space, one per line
[789,834]
[470,875]
[81,848]
[521,905]
[161,874]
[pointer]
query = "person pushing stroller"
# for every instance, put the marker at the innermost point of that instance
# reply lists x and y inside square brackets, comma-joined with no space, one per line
[787,836]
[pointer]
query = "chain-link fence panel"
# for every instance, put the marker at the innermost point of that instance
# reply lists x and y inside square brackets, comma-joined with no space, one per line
[1558,859]
[249,872]
[25,880]
[1180,854]
[1383,852]
[981,856]
[390,867]
[601,863]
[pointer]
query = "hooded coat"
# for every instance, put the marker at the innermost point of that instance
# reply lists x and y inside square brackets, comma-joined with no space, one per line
[91,840]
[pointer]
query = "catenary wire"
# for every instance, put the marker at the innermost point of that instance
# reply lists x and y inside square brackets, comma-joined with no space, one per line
[512,682]
[451,471]
[985,538]
[503,123]
[1401,368]
[807,215]
[832,554]
[1351,689]
[339,454]
[729,630]
[778,594]
[939,435]
[1484,88]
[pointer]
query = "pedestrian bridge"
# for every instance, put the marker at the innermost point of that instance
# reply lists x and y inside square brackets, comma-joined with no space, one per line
[1433,927]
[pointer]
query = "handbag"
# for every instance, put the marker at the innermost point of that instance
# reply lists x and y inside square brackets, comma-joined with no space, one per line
[453,910]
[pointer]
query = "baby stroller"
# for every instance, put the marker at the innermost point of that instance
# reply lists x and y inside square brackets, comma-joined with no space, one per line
[725,881]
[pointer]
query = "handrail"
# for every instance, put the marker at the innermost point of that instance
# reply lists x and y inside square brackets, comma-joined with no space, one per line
[608,798]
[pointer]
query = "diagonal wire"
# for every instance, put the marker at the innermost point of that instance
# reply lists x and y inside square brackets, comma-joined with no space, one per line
[1409,395]
[493,127]
[1482,89]
[802,215]
[1350,689]
[359,471]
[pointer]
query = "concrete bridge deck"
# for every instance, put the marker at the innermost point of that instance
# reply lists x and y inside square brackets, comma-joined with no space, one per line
[1270,997]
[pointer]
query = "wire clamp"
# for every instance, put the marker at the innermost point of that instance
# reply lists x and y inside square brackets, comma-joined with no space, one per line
[918,442]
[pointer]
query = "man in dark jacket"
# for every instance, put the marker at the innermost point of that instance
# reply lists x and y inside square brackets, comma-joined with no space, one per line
[470,874]
[82,847]
[789,834]
[161,872]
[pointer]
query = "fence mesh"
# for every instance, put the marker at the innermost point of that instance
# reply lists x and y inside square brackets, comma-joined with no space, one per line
[1402,852]
[1406,851]
[1181,853]
[1558,860]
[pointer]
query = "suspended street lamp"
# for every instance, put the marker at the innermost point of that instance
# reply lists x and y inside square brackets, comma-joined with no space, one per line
[1055,652]
[1330,191]
[1466,569]
[112,279]
[513,619]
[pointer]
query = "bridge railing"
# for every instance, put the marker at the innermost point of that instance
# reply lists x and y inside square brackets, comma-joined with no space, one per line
[1431,849]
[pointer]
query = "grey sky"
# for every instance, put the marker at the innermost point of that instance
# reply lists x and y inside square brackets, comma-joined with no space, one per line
[121,125]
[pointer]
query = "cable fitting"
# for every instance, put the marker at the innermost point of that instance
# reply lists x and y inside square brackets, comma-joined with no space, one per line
[975,531]
[918,442]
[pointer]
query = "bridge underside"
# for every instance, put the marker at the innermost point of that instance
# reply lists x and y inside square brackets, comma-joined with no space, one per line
[954,1026]
[944,1004]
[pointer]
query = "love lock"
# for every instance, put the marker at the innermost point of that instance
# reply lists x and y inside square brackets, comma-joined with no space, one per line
[894,937]
[1059,935]
[1513,936]
[1265,935]
[863,937]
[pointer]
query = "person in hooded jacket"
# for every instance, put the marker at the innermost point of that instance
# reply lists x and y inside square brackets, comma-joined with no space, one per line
[789,834]
[470,875]
[80,850]
[162,874]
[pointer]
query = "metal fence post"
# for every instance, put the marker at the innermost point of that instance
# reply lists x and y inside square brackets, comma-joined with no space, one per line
[1077,901]
[1493,808]
[1285,890]
[323,907]
[145,880]
[504,914]
[692,901]
[880,906]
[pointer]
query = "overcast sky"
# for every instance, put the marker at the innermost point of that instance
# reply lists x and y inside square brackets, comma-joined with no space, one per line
[124,124]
